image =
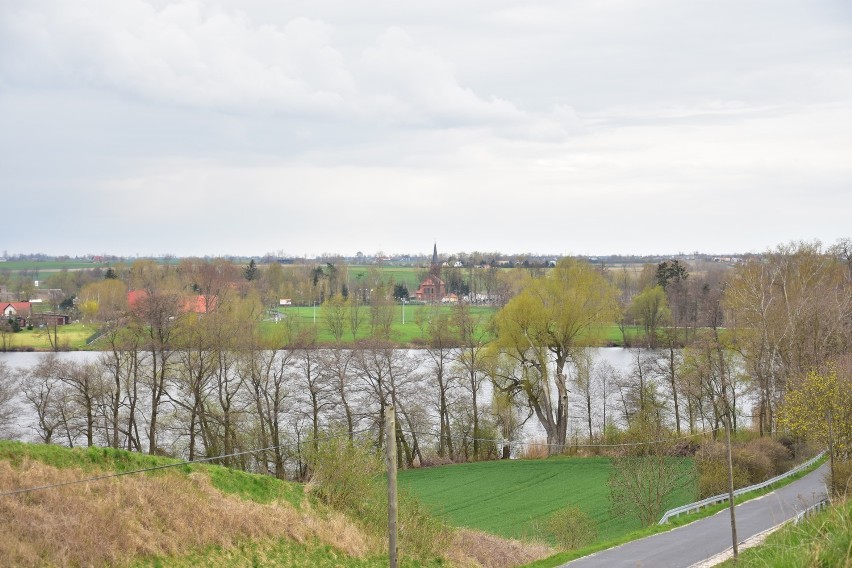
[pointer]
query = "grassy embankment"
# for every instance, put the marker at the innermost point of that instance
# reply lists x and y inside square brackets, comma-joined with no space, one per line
[191,515]
[824,539]
[513,498]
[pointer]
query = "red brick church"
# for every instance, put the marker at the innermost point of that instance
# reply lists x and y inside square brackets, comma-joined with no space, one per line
[432,289]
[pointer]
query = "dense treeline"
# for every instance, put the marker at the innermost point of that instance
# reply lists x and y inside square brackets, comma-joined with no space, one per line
[716,342]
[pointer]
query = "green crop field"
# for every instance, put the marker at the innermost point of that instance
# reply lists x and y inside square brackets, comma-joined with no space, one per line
[511,498]
[49,265]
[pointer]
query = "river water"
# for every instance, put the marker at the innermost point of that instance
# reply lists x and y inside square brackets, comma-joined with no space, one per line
[619,359]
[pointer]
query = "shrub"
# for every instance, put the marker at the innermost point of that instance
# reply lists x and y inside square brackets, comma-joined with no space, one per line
[756,465]
[756,460]
[842,479]
[535,449]
[571,527]
[778,454]
[347,476]
[712,464]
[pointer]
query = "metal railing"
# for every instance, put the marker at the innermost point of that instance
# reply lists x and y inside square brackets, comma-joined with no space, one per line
[819,506]
[690,507]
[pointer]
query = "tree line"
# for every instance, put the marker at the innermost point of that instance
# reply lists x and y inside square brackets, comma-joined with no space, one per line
[713,345]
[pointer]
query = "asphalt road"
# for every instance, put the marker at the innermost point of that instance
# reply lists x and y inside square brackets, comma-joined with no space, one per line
[684,546]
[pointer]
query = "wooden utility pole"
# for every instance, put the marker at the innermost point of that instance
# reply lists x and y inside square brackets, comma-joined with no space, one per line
[729,415]
[390,461]
[728,412]
[731,503]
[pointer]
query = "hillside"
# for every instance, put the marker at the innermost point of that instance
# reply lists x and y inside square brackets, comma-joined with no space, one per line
[514,498]
[189,515]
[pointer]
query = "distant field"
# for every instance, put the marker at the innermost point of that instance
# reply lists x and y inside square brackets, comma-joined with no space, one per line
[510,498]
[610,334]
[403,333]
[52,265]
[71,336]
[408,275]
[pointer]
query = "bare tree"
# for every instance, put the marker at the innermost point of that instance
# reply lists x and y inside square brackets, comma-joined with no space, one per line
[337,365]
[9,411]
[584,382]
[470,361]
[315,389]
[439,353]
[641,483]
[44,391]
[85,390]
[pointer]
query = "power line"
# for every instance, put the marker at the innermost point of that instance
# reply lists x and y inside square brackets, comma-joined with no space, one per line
[170,465]
[569,445]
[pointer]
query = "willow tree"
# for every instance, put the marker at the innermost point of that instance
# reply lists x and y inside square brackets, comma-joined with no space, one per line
[541,328]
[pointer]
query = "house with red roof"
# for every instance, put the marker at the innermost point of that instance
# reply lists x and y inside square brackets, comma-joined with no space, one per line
[19,311]
[199,304]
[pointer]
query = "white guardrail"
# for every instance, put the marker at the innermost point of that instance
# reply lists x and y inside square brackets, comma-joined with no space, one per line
[816,507]
[690,507]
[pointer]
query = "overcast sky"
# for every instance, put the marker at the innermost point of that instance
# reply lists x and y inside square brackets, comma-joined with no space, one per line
[310,126]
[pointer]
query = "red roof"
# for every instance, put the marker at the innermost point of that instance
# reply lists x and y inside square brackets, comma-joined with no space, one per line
[17,306]
[135,296]
[197,304]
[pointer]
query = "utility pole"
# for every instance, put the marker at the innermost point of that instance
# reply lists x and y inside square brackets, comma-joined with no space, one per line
[390,461]
[728,414]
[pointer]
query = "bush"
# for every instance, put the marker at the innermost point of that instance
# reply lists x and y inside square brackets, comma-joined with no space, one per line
[347,476]
[842,480]
[712,464]
[571,528]
[755,461]
[756,465]
[780,456]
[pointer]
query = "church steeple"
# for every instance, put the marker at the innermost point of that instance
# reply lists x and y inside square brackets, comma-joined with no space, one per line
[435,269]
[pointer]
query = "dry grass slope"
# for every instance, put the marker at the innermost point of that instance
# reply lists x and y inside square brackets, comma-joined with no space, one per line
[177,518]
[114,521]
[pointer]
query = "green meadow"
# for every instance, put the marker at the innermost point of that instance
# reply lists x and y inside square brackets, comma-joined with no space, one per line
[415,316]
[408,275]
[512,498]
[71,337]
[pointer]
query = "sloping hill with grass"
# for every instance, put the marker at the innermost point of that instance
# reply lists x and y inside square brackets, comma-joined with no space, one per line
[513,498]
[191,515]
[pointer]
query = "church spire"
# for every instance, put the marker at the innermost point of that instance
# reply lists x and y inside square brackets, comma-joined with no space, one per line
[435,269]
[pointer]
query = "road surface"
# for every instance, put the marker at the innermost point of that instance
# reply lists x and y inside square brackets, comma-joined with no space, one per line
[688,545]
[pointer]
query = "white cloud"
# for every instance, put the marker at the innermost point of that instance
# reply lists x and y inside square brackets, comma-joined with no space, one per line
[549,126]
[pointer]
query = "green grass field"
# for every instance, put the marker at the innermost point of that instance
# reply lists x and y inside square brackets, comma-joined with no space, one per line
[408,275]
[511,498]
[407,333]
[72,336]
